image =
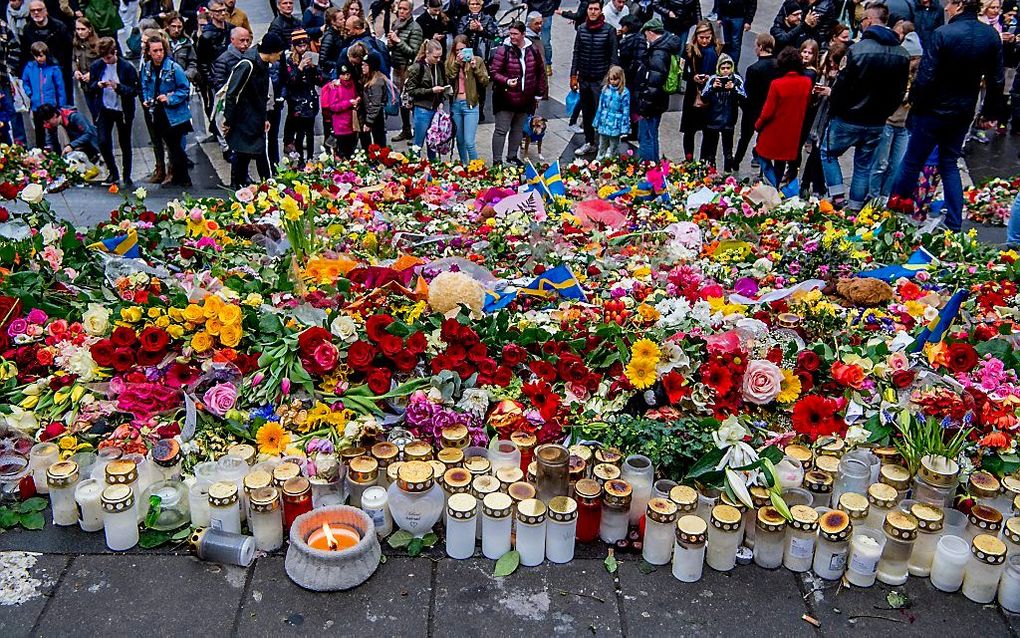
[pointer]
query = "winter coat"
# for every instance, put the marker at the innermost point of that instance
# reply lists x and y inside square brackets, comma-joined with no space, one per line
[693,118]
[300,88]
[873,80]
[757,79]
[961,54]
[84,55]
[173,83]
[238,18]
[212,42]
[284,25]
[687,12]
[782,117]
[899,10]
[403,53]
[822,31]
[633,48]
[372,44]
[927,19]
[481,41]
[738,9]
[337,99]
[314,22]
[594,52]
[329,51]
[103,16]
[128,87]
[785,35]
[56,36]
[613,115]
[183,53]
[81,134]
[652,99]
[223,65]
[44,84]
[524,65]
[418,83]
[373,100]
[431,26]
[545,7]
[474,79]
[245,108]
[722,102]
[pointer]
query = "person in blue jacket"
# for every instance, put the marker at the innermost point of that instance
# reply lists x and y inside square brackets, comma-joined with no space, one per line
[113,90]
[44,84]
[81,134]
[165,93]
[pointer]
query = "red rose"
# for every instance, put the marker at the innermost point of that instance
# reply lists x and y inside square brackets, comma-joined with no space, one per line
[416,343]
[322,360]
[572,369]
[961,357]
[405,361]
[123,337]
[503,376]
[477,353]
[148,358]
[390,344]
[123,359]
[851,376]
[52,431]
[487,367]
[9,190]
[360,355]
[902,378]
[808,360]
[312,338]
[378,380]
[376,326]
[456,352]
[985,332]
[543,370]
[154,339]
[102,352]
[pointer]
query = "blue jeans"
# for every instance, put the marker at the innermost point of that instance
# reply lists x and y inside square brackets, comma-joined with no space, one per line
[839,137]
[1013,228]
[891,148]
[422,120]
[733,37]
[546,34]
[465,122]
[648,138]
[927,132]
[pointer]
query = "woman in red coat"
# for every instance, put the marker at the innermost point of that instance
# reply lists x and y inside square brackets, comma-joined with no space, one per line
[782,117]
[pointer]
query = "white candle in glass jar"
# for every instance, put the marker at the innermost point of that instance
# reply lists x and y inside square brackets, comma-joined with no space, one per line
[929,530]
[461,511]
[198,502]
[865,552]
[530,537]
[560,529]
[120,517]
[689,548]
[40,458]
[833,546]
[616,501]
[660,526]
[639,472]
[62,477]
[224,512]
[984,568]
[723,538]
[375,503]
[88,497]
[951,556]
[770,537]
[1009,585]
[800,539]
[496,524]
[266,519]
[901,532]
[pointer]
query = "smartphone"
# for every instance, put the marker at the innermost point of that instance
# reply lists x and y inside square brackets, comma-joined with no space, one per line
[467,53]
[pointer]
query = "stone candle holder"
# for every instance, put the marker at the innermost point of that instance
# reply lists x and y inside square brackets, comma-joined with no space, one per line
[323,570]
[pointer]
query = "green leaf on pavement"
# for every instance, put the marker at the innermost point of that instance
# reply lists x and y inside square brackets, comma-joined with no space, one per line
[610,562]
[897,600]
[8,518]
[415,547]
[152,538]
[429,539]
[32,520]
[645,567]
[507,563]
[181,535]
[400,539]
[34,504]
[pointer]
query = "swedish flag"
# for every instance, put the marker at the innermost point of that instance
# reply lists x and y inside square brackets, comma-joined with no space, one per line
[936,331]
[495,300]
[556,281]
[122,245]
[920,260]
[534,180]
[554,181]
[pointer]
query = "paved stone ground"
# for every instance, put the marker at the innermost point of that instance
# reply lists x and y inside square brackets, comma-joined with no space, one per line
[82,589]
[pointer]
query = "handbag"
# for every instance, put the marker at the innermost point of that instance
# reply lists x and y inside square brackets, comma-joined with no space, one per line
[22,104]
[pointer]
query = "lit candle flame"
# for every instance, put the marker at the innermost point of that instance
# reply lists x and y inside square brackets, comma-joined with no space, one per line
[330,539]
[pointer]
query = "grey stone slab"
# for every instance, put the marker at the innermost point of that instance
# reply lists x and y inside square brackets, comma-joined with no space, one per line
[573,599]
[27,581]
[144,595]
[54,540]
[931,612]
[393,602]
[748,601]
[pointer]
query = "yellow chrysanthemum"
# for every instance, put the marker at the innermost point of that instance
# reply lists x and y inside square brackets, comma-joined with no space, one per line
[641,373]
[201,341]
[790,388]
[646,349]
[272,439]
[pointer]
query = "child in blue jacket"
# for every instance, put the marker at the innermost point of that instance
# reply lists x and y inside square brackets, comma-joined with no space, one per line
[44,84]
[612,120]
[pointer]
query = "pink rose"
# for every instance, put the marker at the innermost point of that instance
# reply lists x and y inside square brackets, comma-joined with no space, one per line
[220,398]
[898,361]
[762,382]
[17,327]
[36,316]
[326,356]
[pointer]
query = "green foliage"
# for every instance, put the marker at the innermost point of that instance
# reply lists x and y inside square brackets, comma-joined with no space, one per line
[27,514]
[673,446]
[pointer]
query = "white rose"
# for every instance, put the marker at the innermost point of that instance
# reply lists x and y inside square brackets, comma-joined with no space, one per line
[856,435]
[82,364]
[730,433]
[50,233]
[140,193]
[344,328]
[96,320]
[32,194]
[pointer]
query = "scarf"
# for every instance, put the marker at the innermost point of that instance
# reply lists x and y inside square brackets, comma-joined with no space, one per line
[17,19]
[709,60]
[595,24]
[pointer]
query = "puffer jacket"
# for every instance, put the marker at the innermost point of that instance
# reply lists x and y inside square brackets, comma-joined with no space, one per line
[284,25]
[822,31]
[960,56]
[420,79]
[613,115]
[873,80]
[722,102]
[223,65]
[652,99]
[594,52]
[212,42]
[329,51]
[738,9]
[526,66]
[481,41]
[300,88]
[687,12]
[403,53]
[633,47]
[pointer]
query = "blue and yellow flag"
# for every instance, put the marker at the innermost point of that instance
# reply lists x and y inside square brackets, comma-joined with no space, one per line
[122,245]
[556,281]
[936,331]
[554,181]
[534,180]
[496,300]
[920,260]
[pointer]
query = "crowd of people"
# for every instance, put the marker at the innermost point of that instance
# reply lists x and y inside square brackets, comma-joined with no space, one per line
[897,81]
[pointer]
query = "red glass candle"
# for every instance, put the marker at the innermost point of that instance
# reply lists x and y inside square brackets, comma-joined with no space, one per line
[526,444]
[588,494]
[297,499]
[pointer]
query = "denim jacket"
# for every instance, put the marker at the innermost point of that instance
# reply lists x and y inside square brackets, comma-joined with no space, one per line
[173,83]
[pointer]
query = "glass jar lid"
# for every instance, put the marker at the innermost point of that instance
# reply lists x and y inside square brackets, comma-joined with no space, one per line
[349,453]
[661,510]
[296,488]
[828,464]
[605,472]
[457,480]
[888,455]
[264,499]
[121,471]
[438,468]
[62,474]
[477,465]
[257,479]
[882,495]
[455,436]
[243,451]
[985,517]
[834,526]
[415,476]
[855,505]
[284,472]
[930,518]
[835,447]
[691,530]
[988,549]
[725,499]
[524,440]
[1011,530]
[532,471]
[521,491]
[562,509]
[896,476]
[222,494]
[618,493]
[939,470]
[800,453]
[117,498]
[769,519]
[552,455]
[385,453]
[588,489]
[685,497]
[900,525]
[450,456]
[462,506]
[578,467]
[392,470]
[609,455]
[497,505]
[508,475]
[418,450]
[759,496]
[583,452]
[167,452]
[983,485]
[805,518]
[726,517]
[818,481]
[531,512]
[1011,485]
[484,484]
[363,469]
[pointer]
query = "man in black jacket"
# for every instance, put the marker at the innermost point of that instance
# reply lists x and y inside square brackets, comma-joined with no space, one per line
[869,87]
[819,18]
[212,42]
[961,56]
[735,17]
[114,88]
[650,91]
[678,16]
[244,110]
[285,23]
[55,34]
[594,52]
[788,30]
[757,79]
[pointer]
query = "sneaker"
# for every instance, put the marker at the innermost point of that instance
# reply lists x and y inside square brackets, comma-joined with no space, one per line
[712,17]
[586,149]
[576,129]
[515,161]
[541,157]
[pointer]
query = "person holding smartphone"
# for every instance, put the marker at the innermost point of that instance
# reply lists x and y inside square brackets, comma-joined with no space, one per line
[467,73]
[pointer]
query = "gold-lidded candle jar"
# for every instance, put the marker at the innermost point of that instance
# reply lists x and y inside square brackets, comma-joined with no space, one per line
[834,529]
[243,451]
[897,477]
[284,472]
[770,537]
[985,488]
[120,517]
[362,474]
[836,447]
[820,485]
[685,497]
[461,521]
[62,479]
[616,499]
[385,454]
[508,475]
[930,519]
[982,520]
[560,528]
[450,457]
[888,455]
[456,480]
[724,537]
[266,517]
[525,442]
[416,502]
[856,507]
[605,472]
[477,465]
[882,499]
[798,554]
[984,568]
[497,520]
[660,521]
[530,536]
[418,450]
[901,532]
[224,510]
[800,453]
[689,548]
[828,464]
[609,455]
[455,436]
[936,480]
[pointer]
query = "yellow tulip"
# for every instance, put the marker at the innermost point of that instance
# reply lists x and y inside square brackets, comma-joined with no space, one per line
[29,402]
[60,396]
[77,392]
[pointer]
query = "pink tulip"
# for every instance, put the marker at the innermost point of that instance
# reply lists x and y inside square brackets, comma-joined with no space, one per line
[285,387]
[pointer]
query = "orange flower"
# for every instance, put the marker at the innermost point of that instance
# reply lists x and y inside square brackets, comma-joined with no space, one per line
[825,206]
[113,189]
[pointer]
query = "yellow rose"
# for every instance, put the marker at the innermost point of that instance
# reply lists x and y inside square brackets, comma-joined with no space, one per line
[253,299]
[230,335]
[175,314]
[194,313]
[211,307]
[229,314]
[68,443]
[175,331]
[213,326]
[132,314]
[201,341]
[154,312]
[163,322]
